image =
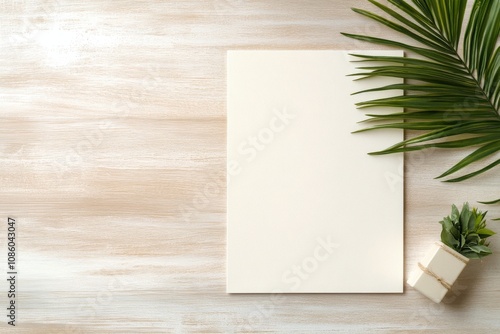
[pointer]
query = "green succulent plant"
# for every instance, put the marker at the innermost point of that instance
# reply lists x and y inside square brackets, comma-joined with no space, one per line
[452,80]
[465,231]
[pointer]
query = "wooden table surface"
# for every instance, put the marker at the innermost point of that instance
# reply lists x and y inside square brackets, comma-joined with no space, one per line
[112,139]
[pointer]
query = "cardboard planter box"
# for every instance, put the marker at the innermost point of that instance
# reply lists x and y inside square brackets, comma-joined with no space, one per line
[437,272]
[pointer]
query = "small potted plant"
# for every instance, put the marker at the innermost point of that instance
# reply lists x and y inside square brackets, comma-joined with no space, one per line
[463,237]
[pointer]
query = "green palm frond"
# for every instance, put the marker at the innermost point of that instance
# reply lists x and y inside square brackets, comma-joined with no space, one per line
[451,98]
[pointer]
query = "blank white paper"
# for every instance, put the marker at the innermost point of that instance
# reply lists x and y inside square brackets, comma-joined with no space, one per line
[308,210]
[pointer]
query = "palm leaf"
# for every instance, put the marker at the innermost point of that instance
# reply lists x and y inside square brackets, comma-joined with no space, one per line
[452,98]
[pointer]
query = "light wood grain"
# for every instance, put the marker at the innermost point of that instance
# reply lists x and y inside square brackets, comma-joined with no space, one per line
[112,139]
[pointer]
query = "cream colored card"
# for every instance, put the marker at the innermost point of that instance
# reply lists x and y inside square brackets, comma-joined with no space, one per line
[308,210]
